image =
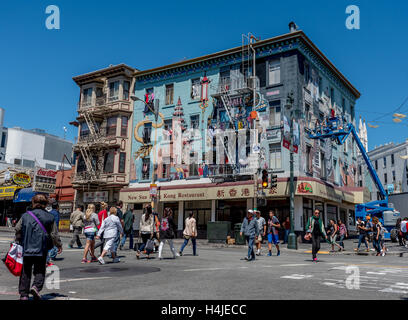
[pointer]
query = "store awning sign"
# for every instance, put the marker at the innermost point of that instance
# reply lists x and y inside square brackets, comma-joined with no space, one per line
[21,179]
[305,187]
[45,180]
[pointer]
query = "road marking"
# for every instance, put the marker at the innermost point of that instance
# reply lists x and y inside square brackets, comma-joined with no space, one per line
[297,276]
[82,279]
[379,273]
[321,252]
[295,265]
[206,269]
[336,262]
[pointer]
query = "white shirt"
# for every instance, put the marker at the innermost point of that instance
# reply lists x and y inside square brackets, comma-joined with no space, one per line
[110,227]
[404,226]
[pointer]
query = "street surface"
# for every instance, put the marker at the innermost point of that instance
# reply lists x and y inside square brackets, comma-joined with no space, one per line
[220,273]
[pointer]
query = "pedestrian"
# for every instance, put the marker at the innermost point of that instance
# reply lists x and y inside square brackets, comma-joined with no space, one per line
[262,232]
[376,236]
[286,225]
[52,254]
[399,232]
[168,230]
[128,220]
[332,232]
[362,233]
[315,230]
[404,231]
[156,231]
[382,240]
[119,214]
[369,229]
[91,222]
[102,215]
[76,220]
[190,232]
[110,228]
[343,233]
[37,232]
[273,232]
[250,229]
[145,230]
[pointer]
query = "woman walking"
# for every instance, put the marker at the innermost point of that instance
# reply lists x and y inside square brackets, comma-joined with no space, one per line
[377,236]
[315,230]
[146,229]
[167,231]
[333,231]
[102,215]
[110,228]
[190,232]
[342,233]
[90,221]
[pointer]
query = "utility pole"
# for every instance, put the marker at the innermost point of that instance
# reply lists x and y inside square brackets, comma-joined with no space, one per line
[292,241]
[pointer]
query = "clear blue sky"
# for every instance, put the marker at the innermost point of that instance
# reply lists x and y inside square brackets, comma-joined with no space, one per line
[37,65]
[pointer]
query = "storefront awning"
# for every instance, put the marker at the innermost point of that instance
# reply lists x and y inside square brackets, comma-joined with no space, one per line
[24,195]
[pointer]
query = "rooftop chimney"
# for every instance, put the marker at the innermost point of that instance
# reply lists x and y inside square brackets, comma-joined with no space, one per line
[292,27]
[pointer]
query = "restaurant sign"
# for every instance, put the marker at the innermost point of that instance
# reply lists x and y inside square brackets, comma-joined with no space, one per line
[21,179]
[45,180]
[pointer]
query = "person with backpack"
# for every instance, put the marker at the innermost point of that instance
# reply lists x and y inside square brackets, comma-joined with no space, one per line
[168,230]
[37,232]
[146,230]
[110,227]
[91,221]
[190,232]
[128,219]
[315,230]
[342,233]
[250,229]
[377,236]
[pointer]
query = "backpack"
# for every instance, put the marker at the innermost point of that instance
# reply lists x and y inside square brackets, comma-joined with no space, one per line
[164,226]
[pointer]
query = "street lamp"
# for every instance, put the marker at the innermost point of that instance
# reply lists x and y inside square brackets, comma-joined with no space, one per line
[292,242]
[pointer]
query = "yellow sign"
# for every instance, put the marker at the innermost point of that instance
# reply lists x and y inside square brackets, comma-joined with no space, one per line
[21,179]
[6,192]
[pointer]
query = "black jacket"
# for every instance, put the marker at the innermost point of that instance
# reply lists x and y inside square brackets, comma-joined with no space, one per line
[171,229]
[32,237]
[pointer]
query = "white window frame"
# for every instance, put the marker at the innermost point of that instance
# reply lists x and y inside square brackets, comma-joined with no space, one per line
[274,72]
[275,156]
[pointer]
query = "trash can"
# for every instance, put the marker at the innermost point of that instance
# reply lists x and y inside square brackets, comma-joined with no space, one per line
[237,236]
[217,231]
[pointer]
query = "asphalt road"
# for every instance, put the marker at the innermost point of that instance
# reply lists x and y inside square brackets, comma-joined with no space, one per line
[221,273]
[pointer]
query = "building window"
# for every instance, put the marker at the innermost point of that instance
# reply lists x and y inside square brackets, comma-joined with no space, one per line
[332,95]
[195,122]
[376,164]
[359,169]
[343,105]
[195,89]
[169,94]
[385,162]
[392,159]
[274,113]
[17,161]
[307,73]
[28,163]
[167,134]
[122,162]
[124,127]
[352,112]
[84,131]
[114,91]
[87,97]
[126,90]
[3,139]
[81,167]
[275,156]
[146,169]
[308,116]
[147,132]
[50,166]
[111,126]
[385,178]
[309,159]
[323,164]
[109,162]
[393,176]
[274,72]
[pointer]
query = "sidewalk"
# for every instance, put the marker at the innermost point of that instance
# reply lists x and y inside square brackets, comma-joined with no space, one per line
[303,248]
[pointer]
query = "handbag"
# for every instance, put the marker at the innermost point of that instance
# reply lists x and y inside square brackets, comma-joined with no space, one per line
[14,259]
[48,241]
[308,236]
[149,246]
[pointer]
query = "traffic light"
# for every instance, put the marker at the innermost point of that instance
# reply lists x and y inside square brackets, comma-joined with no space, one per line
[274,181]
[264,179]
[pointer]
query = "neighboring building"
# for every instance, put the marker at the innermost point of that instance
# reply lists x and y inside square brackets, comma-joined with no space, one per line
[31,148]
[102,151]
[326,173]
[400,203]
[390,163]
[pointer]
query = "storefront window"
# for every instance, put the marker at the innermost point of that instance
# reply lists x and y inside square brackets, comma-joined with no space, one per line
[307,211]
[351,218]
[331,213]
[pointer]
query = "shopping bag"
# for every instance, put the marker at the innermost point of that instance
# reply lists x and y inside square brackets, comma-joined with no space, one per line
[14,259]
[149,246]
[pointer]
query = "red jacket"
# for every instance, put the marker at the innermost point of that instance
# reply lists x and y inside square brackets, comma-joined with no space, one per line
[102,215]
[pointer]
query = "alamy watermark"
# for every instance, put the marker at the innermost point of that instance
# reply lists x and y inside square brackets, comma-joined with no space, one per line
[53,20]
[353,20]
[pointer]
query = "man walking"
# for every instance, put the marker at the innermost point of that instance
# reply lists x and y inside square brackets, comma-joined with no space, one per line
[119,214]
[361,234]
[250,229]
[273,233]
[52,254]
[369,227]
[77,224]
[262,231]
[128,219]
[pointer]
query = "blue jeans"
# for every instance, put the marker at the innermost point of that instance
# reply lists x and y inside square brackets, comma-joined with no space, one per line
[193,241]
[285,239]
[362,238]
[377,244]
[130,235]
[52,254]
[116,243]
[341,243]
[251,252]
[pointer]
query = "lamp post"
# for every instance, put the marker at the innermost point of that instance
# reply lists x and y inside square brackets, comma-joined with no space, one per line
[292,242]
[155,111]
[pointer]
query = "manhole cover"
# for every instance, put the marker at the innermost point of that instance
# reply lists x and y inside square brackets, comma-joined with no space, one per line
[98,270]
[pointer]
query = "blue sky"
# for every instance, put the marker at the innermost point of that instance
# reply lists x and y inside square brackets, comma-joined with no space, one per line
[37,64]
